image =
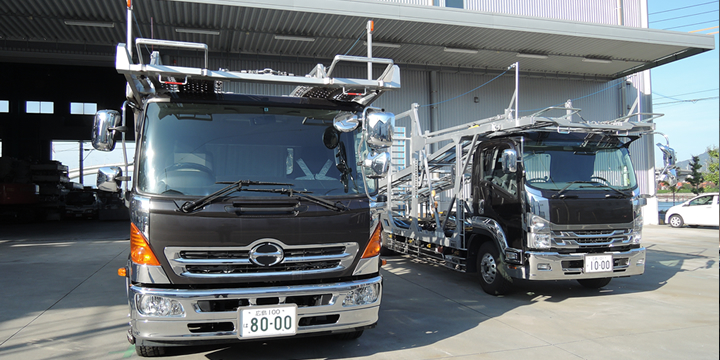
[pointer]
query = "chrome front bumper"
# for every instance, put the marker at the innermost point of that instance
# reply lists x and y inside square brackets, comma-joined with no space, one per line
[222,325]
[571,266]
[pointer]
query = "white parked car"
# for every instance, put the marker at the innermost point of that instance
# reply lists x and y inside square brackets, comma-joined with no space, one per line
[700,210]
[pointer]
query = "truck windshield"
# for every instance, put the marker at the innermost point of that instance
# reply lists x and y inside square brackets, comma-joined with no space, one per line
[577,161]
[187,148]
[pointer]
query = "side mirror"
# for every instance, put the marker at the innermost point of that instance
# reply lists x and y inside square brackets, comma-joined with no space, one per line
[380,128]
[378,163]
[509,161]
[108,179]
[104,126]
[669,157]
[346,121]
[669,177]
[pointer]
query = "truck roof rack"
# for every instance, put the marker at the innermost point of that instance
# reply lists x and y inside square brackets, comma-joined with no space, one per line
[155,78]
[445,168]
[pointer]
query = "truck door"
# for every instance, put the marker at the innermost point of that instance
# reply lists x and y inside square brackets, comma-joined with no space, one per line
[495,192]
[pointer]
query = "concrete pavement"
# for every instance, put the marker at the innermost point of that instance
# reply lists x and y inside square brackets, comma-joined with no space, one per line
[61,299]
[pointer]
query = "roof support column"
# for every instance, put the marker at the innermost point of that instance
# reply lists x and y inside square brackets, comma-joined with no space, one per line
[433,108]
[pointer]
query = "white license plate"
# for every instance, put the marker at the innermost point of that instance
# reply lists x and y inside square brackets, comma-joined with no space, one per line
[264,321]
[598,263]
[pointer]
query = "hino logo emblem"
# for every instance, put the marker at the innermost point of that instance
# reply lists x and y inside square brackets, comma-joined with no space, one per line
[266,254]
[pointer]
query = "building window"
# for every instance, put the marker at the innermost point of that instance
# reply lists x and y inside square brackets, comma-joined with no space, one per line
[39,107]
[83,108]
[4,106]
[454,4]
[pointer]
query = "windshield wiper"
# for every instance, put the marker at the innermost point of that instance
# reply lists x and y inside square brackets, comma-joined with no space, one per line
[336,206]
[621,195]
[190,206]
[559,193]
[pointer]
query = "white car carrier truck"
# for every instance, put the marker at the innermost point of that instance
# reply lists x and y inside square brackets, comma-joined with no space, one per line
[534,197]
[251,216]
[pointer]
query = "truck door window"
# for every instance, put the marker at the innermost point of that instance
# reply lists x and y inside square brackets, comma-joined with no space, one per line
[492,170]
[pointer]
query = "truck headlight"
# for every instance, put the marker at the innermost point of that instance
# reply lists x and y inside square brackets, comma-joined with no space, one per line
[153,305]
[539,241]
[538,233]
[637,228]
[363,295]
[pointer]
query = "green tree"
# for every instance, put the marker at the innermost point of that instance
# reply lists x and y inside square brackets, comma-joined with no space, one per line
[696,177]
[673,189]
[712,166]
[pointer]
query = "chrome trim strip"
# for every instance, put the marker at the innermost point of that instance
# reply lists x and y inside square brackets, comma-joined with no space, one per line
[255,292]
[367,266]
[180,260]
[148,328]
[558,273]
[598,227]
[147,274]
[566,234]
[261,274]
[493,227]
[179,264]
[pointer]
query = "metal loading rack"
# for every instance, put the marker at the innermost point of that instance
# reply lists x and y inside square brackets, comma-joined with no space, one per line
[155,78]
[428,229]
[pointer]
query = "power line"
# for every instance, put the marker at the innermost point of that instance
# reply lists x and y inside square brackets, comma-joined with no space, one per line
[690,93]
[579,98]
[684,16]
[691,100]
[465,93]
[700,23]
[684,7]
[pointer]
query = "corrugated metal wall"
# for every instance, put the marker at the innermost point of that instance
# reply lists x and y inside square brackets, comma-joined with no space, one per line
[598,101]
[591,11]
[535,94]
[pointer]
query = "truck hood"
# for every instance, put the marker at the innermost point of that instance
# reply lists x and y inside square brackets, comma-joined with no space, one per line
[219,238]
[578,211]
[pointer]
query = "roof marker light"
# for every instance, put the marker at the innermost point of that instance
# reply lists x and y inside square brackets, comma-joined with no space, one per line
[459,50]
[197,31]
[102,24]
[295,38]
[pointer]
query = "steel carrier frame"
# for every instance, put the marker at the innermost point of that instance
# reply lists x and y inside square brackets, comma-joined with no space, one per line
[155,78]
[410,189]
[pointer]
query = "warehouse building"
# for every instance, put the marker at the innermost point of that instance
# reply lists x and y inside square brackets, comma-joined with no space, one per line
[58,57]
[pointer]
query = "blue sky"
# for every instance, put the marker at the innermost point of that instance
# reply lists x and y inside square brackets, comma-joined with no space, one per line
[691,125]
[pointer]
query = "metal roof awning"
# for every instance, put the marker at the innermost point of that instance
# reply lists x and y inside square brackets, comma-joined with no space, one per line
[423,36]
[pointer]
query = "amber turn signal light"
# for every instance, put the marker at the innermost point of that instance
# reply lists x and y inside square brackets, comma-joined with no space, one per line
[374,245]
[140,252]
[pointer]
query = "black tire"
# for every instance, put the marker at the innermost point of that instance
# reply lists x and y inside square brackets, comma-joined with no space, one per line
[676,221]
[149,351]
[349,335]
[594,283]
[489,268]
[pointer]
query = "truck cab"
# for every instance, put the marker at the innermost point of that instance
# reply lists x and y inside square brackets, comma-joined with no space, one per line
[565,207]
[251,216]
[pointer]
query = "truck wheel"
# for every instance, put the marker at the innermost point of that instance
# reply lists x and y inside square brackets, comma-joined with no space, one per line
[349,335]
[676,221]
[594,283]
[149,351]
[488,264]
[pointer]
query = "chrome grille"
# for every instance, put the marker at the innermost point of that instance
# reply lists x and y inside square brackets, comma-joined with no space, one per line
[234,262]
[582,238]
